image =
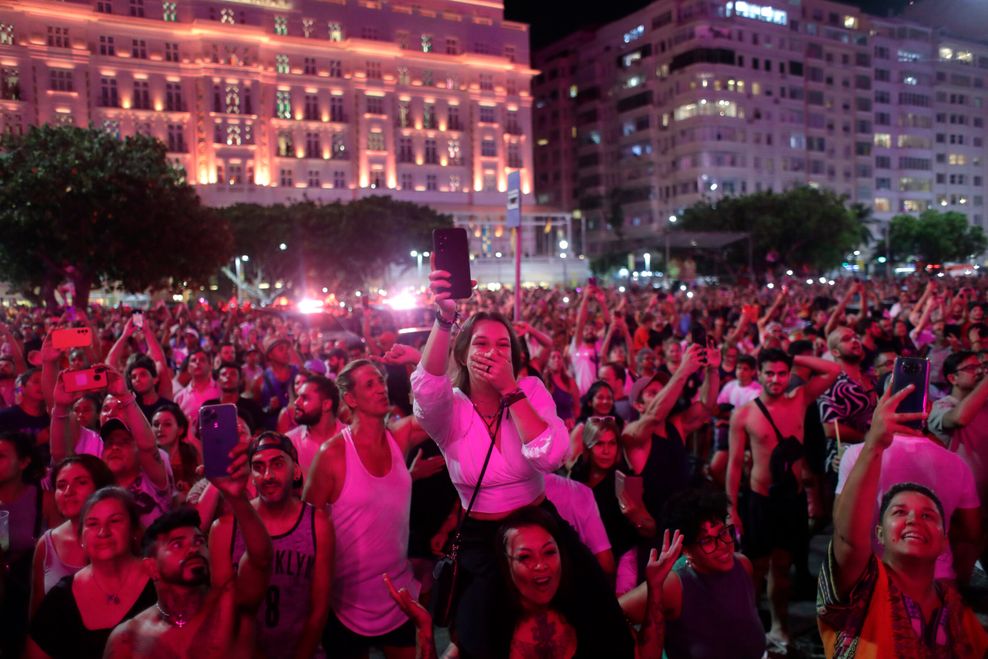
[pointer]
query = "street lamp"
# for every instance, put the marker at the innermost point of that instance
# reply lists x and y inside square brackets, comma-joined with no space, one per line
[417,255]
[648,262]
[282,247]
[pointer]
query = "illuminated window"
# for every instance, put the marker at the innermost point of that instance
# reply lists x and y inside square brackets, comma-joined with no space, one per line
[6,34]
[913,206]
[169,11]
[957,159]
[338,147]
[281,64]
[882,205]
[946,53]
[883,140]
[227,16]
[375,141]
[453,150]
[232,104]
[720,108]
[965,56]
[454,183]
[335,31]
[280,25]
[283,104]
[851,22]
[757,12]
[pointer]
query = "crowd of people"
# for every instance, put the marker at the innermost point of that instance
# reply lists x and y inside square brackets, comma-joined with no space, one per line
[614,473]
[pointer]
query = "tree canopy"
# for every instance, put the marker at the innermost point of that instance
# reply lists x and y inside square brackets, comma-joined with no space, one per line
[803,228]
[81,205]
[333,245]
[935,237]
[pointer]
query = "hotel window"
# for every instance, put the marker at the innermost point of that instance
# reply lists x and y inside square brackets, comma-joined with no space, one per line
[281,64]
[488,148]
[108,93]
[307,27]
[169,12]
[487,115]
[431,153]
[106,46]
[227,16]
[454,183]
[373,70]
[406,182]
[375,141]
[336,109]
[283,104]
[377,179]
[142,95]
[58,37]
[453,151]
[281,25]
[512,87]
[403,77]
[509,52]
[405,153]
[335,31]
[511,125]
[285,178]
[338,148]
[431,182]
[514,156]
[104,7]
[427,78]
[285,145]
[137,8]
[429,116]
[490,180]
[6,34]
[233,135]
[335,68]
[112,126]
[312,147]
[452,46]
[10,87]
[375,105]
[426,43]
[139,49]
[171,52]
[486,82]
[453,120]
[173,97]
[314,178]
[60,80]
[232,99]
[311,107]
[63,119]
[339,179]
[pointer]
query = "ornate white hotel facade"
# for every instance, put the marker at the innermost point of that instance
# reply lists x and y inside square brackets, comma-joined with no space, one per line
[272,101]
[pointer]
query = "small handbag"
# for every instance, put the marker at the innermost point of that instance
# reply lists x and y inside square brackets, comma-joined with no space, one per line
[445,574]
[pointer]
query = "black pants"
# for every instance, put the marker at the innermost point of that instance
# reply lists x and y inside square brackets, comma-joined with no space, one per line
[602,630]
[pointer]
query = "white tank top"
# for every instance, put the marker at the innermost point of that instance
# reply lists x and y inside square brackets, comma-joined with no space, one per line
[371,522]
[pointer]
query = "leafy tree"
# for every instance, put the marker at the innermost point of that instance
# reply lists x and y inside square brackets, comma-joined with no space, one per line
[935,237]
[81,205]
[809,229]
[335,244]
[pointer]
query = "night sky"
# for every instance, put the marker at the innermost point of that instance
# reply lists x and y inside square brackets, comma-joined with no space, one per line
[551,19]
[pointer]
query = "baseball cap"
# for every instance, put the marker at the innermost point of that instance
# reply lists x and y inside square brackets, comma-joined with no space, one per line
[271,439]
[641,383]
[272,341]
[110,426]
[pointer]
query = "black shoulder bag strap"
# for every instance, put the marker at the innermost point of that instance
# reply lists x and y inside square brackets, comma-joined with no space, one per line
[480,479]
[761,406]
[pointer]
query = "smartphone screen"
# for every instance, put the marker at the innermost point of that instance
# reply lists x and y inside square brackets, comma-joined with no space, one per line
[453,255]
[218,433]
[914,371]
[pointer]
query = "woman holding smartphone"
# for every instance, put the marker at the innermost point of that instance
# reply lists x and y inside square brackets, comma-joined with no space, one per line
[483,415]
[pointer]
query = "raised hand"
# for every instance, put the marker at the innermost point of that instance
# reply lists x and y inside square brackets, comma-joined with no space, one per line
[885,422]
[660,563]
[400,355]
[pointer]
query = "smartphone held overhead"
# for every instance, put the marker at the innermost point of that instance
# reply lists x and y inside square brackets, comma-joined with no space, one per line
[87,379]
[912,371]
[218,432]
[71,337]
[452,252]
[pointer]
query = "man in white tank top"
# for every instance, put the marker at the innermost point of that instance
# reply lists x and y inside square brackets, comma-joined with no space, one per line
[361,474]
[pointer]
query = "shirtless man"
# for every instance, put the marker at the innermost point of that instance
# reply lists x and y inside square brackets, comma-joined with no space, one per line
[361,473]
[205,608]
[776,511]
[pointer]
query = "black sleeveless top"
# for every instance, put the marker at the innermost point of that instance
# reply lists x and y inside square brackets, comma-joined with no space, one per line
[666,472]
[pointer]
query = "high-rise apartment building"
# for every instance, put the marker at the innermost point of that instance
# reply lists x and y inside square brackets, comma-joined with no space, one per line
[271,101]
[686,100]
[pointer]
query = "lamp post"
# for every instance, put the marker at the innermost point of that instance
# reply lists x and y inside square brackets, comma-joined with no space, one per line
[648,262]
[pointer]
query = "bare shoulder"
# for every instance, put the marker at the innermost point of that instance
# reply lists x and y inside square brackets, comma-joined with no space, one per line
[745,563]
[331,452]
[123,638]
